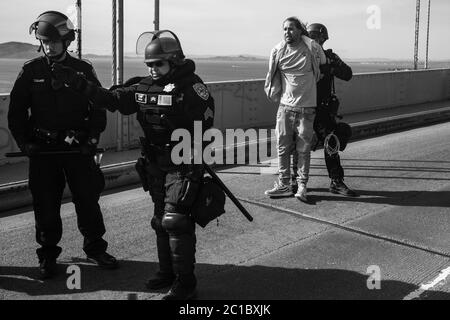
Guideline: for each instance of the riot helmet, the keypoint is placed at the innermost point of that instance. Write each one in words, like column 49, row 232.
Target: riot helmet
column 160, row 45
column 317, row 29
column 53, row 26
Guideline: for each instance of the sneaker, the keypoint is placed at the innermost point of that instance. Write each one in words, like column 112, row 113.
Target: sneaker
column 160, row 281
column 104, row 260
column 181, row 290
column 338, row 186
column 47, row 268
column 301, row 192
column 279, row 190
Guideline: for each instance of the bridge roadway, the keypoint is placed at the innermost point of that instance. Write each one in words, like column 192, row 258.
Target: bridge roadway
column 324, row 250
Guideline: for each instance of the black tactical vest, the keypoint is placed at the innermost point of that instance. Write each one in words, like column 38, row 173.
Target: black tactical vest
column 159, row 109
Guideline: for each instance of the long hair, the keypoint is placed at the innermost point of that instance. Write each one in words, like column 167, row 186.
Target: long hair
column 298, row 24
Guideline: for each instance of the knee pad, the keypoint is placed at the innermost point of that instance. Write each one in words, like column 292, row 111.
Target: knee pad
column 156, row 224
column 178, row 223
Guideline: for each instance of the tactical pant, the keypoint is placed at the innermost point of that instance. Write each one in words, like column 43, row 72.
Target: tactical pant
column 173, row 192
column 335, row 170
column 47, row 179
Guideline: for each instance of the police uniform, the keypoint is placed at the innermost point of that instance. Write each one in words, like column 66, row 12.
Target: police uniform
column 325, row 118
column 51, row 116
column 162, row 106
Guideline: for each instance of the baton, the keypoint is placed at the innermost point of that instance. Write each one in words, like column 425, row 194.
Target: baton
column 228, row 192
column 49, row 153
column 217, row 179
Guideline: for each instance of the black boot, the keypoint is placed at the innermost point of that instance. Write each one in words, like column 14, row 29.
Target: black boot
column 47, row 268
column 338, row 186
column 160, row 281
column 165, row 276
column 104, row 260
column 184, row 288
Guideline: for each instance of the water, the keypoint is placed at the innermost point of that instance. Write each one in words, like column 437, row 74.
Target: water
column 208, row 70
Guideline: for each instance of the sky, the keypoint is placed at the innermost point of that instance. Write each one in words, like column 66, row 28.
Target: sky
column 358, row 29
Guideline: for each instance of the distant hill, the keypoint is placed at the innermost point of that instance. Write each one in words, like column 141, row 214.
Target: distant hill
column 233, row 58
column 18, row 50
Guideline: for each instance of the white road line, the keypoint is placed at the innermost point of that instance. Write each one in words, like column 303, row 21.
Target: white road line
column 20, row 278
column 442, row 276
column 430, row 285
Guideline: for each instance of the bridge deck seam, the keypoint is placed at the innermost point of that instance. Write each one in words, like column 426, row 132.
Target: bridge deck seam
column 344, row 227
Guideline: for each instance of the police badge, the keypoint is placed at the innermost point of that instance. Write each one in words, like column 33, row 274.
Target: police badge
column 201, row 90
column 169, row 87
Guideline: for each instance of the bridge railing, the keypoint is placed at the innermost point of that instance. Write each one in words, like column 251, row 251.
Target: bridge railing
column 243, row 104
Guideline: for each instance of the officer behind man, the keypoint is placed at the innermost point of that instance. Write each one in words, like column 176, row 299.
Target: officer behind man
column 327, row 119
column 171, row 97
column 44, row 115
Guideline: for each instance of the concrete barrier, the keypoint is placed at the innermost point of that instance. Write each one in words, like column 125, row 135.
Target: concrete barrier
column 243, row 104
column 16, row 194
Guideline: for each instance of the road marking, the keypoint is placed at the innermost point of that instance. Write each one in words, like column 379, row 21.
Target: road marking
column 441, row 277
column 428, row 286
column 20, row 277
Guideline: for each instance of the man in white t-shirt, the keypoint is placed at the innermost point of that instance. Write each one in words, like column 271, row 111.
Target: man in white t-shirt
column 291, row 82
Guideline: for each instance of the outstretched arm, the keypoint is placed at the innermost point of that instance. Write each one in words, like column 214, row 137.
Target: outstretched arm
column 121, row 99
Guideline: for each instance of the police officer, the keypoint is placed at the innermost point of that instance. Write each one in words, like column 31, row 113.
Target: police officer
column 171, row 97
column 45, row 115
column 327, row 119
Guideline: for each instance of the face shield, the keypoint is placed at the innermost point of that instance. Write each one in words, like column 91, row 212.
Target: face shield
column 54, row 26
column 159, row 45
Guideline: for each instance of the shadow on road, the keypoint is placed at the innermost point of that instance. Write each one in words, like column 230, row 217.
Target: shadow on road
column 131, row 276
column 215, row 282
column 397, row 198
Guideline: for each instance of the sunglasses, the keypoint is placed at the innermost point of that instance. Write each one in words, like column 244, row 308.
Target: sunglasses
column 157, row 64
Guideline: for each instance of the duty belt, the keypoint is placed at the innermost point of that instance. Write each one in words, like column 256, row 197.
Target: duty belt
column 54, row 137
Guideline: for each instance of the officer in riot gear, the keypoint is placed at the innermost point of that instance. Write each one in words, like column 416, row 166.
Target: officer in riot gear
column 327, row 121
column 44, row 115
column 171, row 97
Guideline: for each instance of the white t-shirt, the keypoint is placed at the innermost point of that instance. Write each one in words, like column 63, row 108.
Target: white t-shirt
column 297, row 77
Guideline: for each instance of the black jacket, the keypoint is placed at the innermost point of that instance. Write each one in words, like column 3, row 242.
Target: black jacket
column 334, row 68
column 37, row 101
column 197, row 103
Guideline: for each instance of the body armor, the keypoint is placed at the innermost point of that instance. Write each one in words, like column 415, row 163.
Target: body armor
column 159, row 109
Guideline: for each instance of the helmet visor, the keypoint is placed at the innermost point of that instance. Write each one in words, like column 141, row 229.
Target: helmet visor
column 45, row 31
column 142, row 42
column 166, row 46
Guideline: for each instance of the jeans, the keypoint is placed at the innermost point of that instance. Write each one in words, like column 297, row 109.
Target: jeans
column 294, row 127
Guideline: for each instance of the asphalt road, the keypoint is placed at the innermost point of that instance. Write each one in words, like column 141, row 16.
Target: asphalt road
column 392, row 242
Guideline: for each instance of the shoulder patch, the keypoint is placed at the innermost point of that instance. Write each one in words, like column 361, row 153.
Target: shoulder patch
column 201, row 90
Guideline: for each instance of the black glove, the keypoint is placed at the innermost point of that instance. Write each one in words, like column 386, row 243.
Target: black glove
column 68, row 76
column 89, row 148
column 29, row 148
